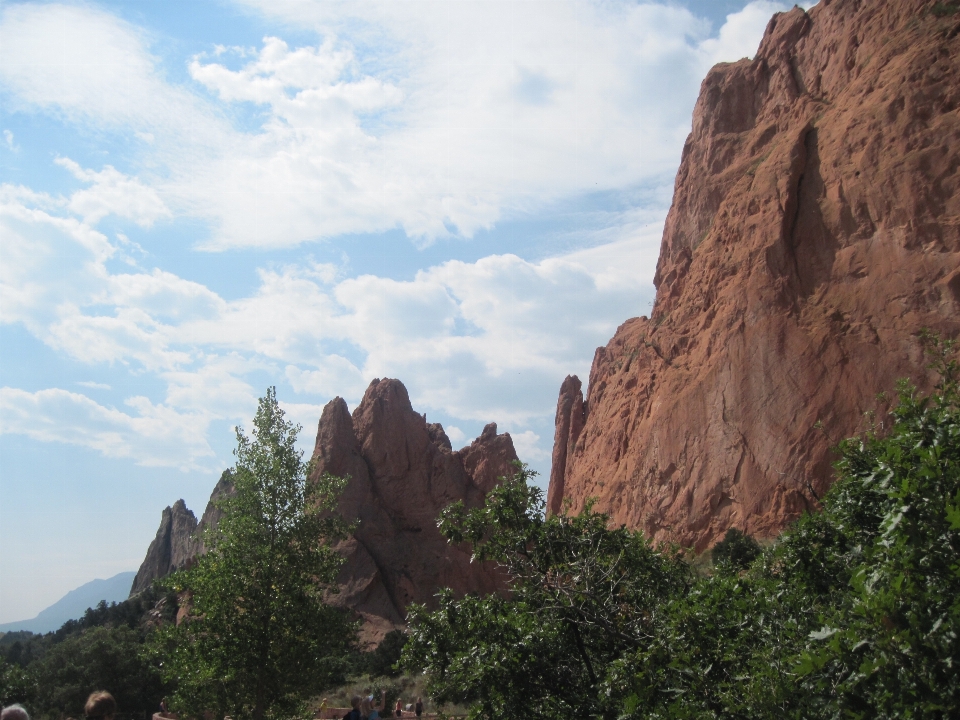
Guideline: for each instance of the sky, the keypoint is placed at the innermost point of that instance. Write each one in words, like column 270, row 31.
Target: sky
column 199, row 200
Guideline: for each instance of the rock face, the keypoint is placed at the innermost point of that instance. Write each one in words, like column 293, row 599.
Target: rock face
column 403, row 472
column 171, row 549
column 179, row 538
column 815, row 228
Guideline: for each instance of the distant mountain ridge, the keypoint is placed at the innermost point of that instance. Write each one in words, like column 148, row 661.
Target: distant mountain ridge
column 72, row 605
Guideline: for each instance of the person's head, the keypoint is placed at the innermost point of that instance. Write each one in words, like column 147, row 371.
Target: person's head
column 366, row 706
column 100, row 704
column 355, row 702
column 14, row 712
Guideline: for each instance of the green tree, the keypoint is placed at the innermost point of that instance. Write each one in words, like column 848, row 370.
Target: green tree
column 890, row 646
column 736, row 551
column 258, row 633
column 383, row 660
column 581, row 596
column 16, row 684
column 99, row 657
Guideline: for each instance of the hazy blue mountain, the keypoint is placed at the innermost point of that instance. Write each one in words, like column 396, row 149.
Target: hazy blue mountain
column 72, row 605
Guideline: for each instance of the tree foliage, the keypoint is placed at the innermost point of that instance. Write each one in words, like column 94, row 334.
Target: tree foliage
column 853, row 613
column 258, row 632
column 736, row 551
column 53, row 673
column 99, row 657
column 580, row 594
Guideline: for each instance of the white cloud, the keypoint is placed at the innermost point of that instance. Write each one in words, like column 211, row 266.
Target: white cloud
column 113, row 193
column 8, row 141
column 89, row 66
column 457, row 437
column 527, row 444
column 740, row 34
column 437, row 122
column 154, row 435
column 336, row 376
column 487, row 340
column 472, row 113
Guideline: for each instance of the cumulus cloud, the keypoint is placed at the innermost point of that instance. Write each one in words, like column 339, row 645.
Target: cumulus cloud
column 441, row 123
column 114, row 193
column 740, row 34
column 487, row 340
column 459, row 119
column 153, row 435
column 528, row 446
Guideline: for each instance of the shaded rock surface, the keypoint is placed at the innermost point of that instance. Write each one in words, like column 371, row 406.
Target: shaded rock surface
column 179, row 538
column 403, row 472
column 815, row 228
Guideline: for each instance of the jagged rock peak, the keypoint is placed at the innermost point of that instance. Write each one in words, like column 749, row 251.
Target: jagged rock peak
column 179, row 538
column 171, row 549
column 403, row 472
column 571, row 414
column 813, row 231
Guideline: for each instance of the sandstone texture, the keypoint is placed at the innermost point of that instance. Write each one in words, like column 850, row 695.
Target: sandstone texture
column 815, row 229
column 179, row 538
column 403, row 472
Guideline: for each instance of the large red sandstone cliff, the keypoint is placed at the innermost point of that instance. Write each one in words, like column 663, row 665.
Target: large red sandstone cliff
column 815, row 228
column 403, row 472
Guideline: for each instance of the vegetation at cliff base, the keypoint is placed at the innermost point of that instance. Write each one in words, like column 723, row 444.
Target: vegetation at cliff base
column 853, row 613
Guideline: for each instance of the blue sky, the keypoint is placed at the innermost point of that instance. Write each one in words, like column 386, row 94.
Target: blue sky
column 202, row 199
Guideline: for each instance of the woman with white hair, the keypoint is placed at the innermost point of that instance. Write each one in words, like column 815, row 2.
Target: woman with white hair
column 14, row 712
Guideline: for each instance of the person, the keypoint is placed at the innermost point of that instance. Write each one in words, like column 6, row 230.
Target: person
column 322, row 710
column 419, row 707
column 398, row 710
column 14, row 712
column 374, row 711
column 354, row 713
column 100, row 705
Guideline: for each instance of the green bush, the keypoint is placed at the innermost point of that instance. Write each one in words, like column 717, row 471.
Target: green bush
column 737, row 550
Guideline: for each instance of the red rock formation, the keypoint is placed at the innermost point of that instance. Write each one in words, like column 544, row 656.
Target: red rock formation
column 815, row 228
column 179, row 538
column 172, row 548
column 571, row 414
column 403, row 472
